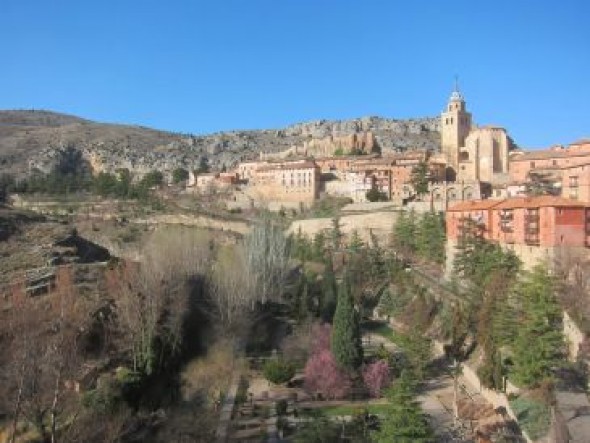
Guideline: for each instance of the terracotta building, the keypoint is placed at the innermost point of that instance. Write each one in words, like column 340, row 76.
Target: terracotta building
column 558, row 157
column 535, row 228
column 575, row 182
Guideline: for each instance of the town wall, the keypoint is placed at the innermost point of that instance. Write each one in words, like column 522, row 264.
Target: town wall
column 379, row 223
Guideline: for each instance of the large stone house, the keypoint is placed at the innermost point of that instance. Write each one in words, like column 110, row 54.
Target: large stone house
column 292, row 182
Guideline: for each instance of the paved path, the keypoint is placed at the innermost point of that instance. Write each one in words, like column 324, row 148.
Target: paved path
column 436, row 399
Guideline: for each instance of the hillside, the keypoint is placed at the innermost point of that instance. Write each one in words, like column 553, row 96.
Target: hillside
column 32, row 138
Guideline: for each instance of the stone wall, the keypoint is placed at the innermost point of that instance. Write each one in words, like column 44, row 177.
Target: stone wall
column 574, row 336
column 380, row 223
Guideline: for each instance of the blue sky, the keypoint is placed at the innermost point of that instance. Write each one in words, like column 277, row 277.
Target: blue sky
column 204, row 66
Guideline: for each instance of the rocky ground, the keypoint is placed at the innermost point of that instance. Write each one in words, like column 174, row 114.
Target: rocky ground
column 30, row 241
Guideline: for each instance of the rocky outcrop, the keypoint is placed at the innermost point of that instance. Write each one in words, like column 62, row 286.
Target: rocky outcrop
column 36, row 139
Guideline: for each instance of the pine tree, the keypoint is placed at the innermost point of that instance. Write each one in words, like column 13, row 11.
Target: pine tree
column 430, row 237
column 404, row 233
column 420, row 178
column 404, row 422
column 538, row 349
column 346, row 333
column 319, row 246
column 356, row 243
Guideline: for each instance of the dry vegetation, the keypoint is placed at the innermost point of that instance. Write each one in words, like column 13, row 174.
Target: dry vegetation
column 150, row 347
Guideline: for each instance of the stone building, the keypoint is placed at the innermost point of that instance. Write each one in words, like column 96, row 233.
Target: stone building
column 292, row 182
column 353, row 185
column 473, row 154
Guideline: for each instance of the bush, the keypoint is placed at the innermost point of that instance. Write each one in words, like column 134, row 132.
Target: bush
column 533, row 416
column 374, row 195
column 281, row 407
column 106, row 398
column 279, row 371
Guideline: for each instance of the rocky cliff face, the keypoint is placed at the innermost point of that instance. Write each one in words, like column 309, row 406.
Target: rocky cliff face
column 37, row 139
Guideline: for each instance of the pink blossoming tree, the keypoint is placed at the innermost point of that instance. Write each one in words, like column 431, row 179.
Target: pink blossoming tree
column 376, row 377
column 323, row 376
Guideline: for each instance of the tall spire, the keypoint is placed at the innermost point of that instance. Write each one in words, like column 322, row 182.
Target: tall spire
column 456, row 94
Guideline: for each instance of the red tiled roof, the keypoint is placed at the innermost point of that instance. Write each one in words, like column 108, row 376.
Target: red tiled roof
column 540, row 201
column 474, row 205
column 586, row 163
column 346, row 157
column 286, row 166
column 548, row 154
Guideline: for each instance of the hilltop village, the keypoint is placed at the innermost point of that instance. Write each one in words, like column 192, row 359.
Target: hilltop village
column 340, row 282
column 534, row 202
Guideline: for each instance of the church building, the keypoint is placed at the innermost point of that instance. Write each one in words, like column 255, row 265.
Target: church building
column 472, row 153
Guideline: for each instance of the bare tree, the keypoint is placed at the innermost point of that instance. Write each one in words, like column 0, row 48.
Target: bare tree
column 44, row 337
column 231, row 292
column 152, row 297
column 267, row 258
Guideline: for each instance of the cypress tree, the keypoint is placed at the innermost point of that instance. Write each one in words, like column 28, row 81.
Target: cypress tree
column 329, row 291
column 346, row 333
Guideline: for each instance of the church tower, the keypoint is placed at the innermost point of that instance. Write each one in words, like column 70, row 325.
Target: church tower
column 455, row 124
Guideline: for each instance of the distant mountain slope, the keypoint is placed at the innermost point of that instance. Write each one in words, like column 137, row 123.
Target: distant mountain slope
column 33, row 138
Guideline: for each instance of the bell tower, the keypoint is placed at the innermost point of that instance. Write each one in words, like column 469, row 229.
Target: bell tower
column 455, row 124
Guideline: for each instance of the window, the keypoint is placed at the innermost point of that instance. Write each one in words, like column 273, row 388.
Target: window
column 506, row 217
column 531, row 227
column 532, row 164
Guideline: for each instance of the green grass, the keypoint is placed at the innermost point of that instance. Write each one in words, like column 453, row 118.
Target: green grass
column 382, row 329
column 337, row 411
